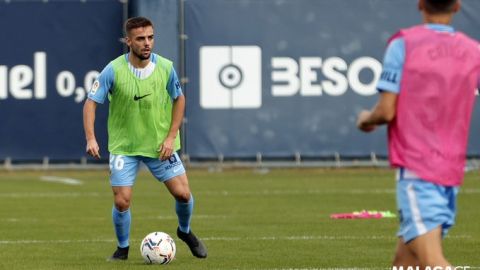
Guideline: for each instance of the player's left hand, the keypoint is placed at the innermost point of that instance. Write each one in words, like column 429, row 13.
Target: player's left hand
column 362, row 121
column 166, row 149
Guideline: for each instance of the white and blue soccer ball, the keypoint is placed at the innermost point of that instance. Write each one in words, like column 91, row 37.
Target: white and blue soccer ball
column 158, row 248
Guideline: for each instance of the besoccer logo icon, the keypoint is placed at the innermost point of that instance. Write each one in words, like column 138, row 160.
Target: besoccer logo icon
column 230, row 77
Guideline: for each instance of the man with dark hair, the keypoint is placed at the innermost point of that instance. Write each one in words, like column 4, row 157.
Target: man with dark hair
column 136, row 22
column 145, row 113
column 440, row 6
column 427, row 92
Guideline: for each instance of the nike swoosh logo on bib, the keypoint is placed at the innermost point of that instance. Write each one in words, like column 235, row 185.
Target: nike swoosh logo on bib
column 140, row 97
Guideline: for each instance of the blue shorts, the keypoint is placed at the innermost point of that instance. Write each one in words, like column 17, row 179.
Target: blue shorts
column 423, row 206
column 123, row 169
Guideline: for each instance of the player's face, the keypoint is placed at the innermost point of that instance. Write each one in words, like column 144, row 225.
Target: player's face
column 140, row 40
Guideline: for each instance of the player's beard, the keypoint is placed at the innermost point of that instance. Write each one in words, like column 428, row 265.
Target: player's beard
column 140, row 55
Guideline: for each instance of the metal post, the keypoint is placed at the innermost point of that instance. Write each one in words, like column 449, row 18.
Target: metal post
column 298, row 158
column 183, row 74
column 338, row 161
column 45, row 163
column 374, row 158
column 8, row 163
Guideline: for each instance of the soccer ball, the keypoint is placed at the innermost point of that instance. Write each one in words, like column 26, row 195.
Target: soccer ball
column 158, row 248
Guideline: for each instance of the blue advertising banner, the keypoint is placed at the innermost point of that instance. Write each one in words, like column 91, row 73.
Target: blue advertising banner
column 274, row 77
column 52, row 52
column 284, row 78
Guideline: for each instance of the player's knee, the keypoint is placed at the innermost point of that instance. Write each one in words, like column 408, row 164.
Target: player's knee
column 397, row 260
column 403, row 259
column 400, row 258
column 122, row 204
column 183, row 197
column 432, row 257
column 433, row 260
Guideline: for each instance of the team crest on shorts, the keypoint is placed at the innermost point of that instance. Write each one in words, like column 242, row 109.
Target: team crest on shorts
column 172, row 159
column 174, row 163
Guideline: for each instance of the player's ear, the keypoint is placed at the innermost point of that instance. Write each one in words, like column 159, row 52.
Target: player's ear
column 457, row 6
column 421, row 5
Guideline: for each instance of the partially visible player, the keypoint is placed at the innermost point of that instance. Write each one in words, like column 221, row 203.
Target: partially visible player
column 145, row 113
column 427, row 92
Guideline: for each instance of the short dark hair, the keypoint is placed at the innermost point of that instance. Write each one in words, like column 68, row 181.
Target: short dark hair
column 439, row 6
column 136, row 22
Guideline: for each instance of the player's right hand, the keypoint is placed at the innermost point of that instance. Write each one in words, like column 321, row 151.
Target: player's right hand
column 362, row 121
column 93, row 149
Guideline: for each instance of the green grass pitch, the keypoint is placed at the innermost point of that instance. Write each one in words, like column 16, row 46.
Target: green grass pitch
column 248, row 219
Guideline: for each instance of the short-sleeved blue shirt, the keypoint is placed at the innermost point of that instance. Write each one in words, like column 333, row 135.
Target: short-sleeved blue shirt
column 105, row 80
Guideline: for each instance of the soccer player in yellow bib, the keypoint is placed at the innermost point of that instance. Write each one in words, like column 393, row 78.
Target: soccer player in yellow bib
column 145, row 113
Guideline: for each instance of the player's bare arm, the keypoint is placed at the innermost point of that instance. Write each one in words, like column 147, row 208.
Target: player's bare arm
column 382, row 113
column 167, row 148
column 89, row 126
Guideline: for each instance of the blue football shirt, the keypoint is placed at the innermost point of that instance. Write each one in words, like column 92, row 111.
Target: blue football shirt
column 105, row 80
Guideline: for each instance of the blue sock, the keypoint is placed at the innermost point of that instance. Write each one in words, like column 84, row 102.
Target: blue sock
column 121, row 222
column 184, row 213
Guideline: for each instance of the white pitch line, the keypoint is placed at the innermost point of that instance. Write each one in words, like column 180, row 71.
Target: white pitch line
column 23, row 220
column 349, row 268
column 13, row 242
column 315, row 192
column 61, row 180
column 313, row 237
column 224, row 193
column 337, row 268
column 48, row 194
column 298, row 192
column 264, row 238
column 172, row 217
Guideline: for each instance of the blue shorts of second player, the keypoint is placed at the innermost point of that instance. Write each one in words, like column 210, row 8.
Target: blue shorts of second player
column 124, row 169
column 423, row 206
